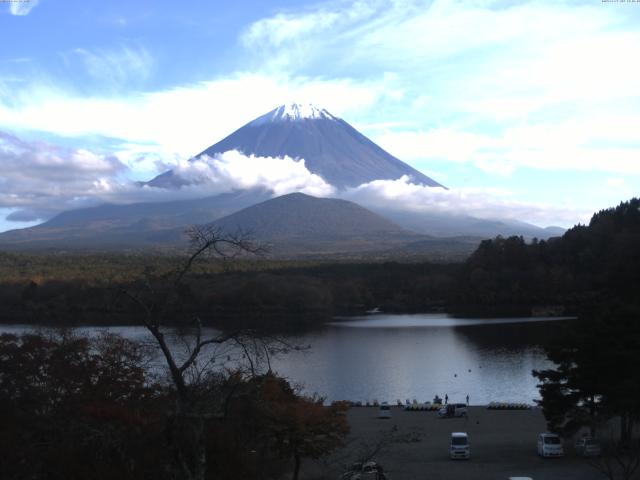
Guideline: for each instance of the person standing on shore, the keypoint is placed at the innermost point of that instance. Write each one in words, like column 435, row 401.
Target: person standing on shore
column 467, row 399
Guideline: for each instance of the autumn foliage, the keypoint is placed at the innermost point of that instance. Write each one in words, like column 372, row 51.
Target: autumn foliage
column 73, row 407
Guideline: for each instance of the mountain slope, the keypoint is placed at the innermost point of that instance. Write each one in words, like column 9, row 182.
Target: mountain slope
column 331, row 148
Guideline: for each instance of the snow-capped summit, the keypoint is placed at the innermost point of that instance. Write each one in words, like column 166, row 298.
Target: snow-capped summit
column 329, row 146
column 294, row 111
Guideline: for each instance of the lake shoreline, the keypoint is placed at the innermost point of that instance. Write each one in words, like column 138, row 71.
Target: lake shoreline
column 283, row 323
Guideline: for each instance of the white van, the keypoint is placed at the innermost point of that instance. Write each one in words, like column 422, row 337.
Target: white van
column 550, row 445
column 384, row 411
column 453, row 410
column 459, row 446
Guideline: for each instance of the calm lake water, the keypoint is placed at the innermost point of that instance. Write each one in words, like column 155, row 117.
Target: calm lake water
column 388, row 357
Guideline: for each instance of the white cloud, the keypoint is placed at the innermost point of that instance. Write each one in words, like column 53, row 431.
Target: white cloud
column 437, row 144
column 481, row 203
column 122, row 66
column 22, row 7
column 620, row 186
column 233, row 170
column 536, row 85
column 289, row 41
column 604, row 143
column 615, row 182
column 183, row 120
column 283, row 28
column 504, row 86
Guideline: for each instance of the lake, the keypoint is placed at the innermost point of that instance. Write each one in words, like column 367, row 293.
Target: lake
column 388, row 357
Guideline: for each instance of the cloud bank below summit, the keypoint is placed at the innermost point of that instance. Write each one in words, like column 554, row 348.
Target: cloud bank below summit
column 79, row 178
column 232, row 170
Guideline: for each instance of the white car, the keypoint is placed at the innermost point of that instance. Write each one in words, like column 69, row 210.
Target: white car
column 459, row 446
column 384, row 411
column 550, row 445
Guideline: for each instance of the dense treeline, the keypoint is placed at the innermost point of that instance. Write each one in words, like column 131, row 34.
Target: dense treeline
column 503, row 276
column 256, row 294
column 587, row 265
column 594, row 381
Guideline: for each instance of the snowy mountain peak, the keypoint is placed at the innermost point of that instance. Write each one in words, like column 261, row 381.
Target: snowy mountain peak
column 293, row 112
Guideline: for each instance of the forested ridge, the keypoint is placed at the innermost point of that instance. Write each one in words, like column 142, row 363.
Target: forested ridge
column 587, row 265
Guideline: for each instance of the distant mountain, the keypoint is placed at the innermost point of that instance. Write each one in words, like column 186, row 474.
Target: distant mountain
column 160, row 214
column 331, row 148
column 439, row 224
column 293, row 225
column 129, row 226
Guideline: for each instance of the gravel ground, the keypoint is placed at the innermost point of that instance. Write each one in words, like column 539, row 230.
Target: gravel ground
column 503, row 444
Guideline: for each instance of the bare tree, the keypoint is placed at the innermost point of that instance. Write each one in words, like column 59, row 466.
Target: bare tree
column 188, row 373
column 619, row 460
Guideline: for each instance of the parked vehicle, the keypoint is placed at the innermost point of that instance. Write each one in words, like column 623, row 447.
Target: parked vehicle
column 459, row 446
column 384, row 411
column 550, row 445
column 453, row 410
column 587, row 447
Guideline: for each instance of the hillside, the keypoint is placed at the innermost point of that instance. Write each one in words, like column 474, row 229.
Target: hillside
column 300, row 215
column 302, row 225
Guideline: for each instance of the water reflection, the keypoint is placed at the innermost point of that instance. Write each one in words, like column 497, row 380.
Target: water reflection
column 389, row 357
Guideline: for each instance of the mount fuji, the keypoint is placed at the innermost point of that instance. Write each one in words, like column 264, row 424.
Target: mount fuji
column 297, row 224
column 330, row 147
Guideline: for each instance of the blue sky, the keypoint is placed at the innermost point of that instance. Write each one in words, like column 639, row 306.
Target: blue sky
column 525, row 109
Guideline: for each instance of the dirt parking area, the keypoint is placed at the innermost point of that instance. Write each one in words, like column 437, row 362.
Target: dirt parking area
column 415, row 445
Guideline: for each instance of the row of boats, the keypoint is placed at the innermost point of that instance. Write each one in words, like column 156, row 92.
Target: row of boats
column 508, row 406
column 415, row 406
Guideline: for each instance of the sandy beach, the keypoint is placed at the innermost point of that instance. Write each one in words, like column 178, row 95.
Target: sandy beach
column 414, row 445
